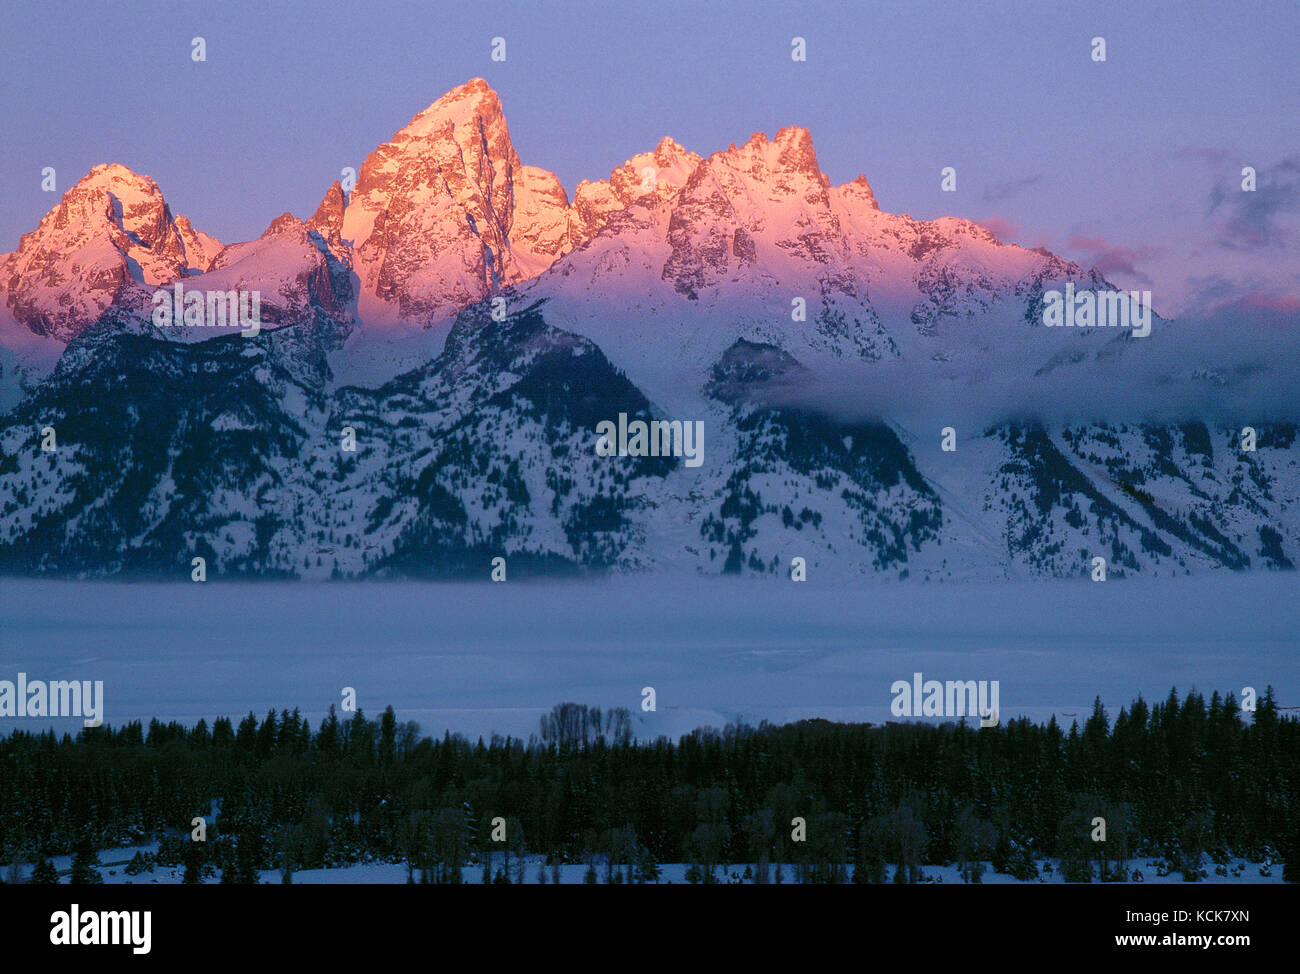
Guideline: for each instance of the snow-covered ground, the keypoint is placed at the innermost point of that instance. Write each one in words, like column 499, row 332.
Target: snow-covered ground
column 482, row 658
column 113, row 860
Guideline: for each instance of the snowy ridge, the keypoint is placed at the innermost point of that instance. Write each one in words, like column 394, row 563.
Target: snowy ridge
column 799, row 322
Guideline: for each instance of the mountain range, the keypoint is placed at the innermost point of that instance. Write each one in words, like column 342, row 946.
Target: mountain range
column 467, row 326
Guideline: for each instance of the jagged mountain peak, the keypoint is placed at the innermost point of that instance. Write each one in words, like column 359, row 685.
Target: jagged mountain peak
column 669, row 149
column 795, row 152
column 474, row 97
column 740, row 292
column 283, row 223
column 788, row 162
column 117, row 178
column 201, row 248
column 467, row 121
column 111, row 232
column 127, row 206
column 445, row 214
column 328, row 218
column 648, row 181
column 859, row 192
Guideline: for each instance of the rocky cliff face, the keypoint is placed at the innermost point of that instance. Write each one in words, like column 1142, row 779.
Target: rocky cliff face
column 797, row 321
column 111, row 232
column 445, row 213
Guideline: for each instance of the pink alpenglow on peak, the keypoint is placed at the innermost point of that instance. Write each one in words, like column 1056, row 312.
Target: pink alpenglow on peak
column 111, row 233
column 445, row 215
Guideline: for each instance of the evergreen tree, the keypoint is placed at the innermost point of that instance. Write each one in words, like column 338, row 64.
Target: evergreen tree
column 223, row 734
column 193, row 858
column 241, row 866
column 246, row 737
column 327, row 738
column 1183, row 778
column 1288, row 848
column 1074, row 843
column 267, row 735
column 647, row 867
column 869, row 863
column 83, row 865
column 387, row 737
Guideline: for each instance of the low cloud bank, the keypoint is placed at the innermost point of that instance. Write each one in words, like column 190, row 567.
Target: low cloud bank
column 1237, row 365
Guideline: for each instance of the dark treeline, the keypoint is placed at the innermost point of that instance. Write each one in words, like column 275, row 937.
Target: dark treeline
column 1187, row 782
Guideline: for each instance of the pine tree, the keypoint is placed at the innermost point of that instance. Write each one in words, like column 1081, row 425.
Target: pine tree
column 387, row 736
column 223, row 732
column 1074, row 843
column 869, row 865
column 1002, row 852
column 246, row 737
column 267, row 735
column 648, row 870
column 327, row 738
column 193, row 858
column 83, row 865
column 1289, row 849
column 43, row 873
column 242, row 866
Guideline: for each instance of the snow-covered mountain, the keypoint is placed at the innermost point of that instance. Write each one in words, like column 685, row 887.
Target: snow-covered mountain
column 112, row 232
column 469, row 327
column 445, row 214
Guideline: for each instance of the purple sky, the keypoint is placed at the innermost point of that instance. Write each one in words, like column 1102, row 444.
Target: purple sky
column 1132, row 165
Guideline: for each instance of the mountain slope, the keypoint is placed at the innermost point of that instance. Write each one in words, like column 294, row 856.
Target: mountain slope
column 469, row 328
